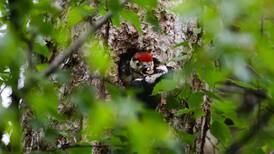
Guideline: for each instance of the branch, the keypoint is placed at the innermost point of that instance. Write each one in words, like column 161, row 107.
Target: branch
column 75, row 45
column 205, row 124
column 252, row 131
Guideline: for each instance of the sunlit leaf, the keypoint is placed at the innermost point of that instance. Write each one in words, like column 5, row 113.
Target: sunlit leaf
column 62, row 36
column 9, row 49
column 77, row 14
column 101, row 118
column 146, row 4
column 41, row 67
column 43, row 101
column 98, row 57
column 41, row 49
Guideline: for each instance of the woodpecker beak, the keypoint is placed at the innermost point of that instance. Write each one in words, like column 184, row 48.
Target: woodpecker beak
column 148, row 69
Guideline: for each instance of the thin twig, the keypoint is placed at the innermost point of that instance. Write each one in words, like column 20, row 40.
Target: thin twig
column 75, row 45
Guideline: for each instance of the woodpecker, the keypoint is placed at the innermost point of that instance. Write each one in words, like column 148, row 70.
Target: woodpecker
column 142, row 71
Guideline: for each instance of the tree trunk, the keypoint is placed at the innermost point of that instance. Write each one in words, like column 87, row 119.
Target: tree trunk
column 172, row 31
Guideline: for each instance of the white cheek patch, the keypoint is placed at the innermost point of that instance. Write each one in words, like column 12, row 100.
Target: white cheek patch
column 132, row 64
column 152, row 78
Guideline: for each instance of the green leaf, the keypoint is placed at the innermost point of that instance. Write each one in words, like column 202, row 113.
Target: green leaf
column 83, row 98
column 186, row 137
column 98, row 57
column 243, row 84
column 82, row 149
column 147, row 4
column 114, row 6
column 211, row 75
column 41, row 67
column 224, row 106
column 183, row 111
column 116, row 20
column 8, row 49
column 43, row 100
column 133, row 18
column 77, row 14
column 99, row 120
column 164, row 86
column 41, row 49
column 221, row 132
column 38, row 24
column 62, row 36
column 153, row 20
column 185, row 92
column 195, row 100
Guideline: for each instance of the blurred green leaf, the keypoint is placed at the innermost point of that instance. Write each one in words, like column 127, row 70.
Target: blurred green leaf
column 41, row 49
column 101, row 118
column 186, row 137
column 114, row 6
column 188, row 8
column 152, row 19
column 183, row 111
column 146, row 4
column 43, row 101
column 195, row 100
column 98, row 57
column 164, row 86
column 243, row 84
column 83, row 98
column 146, row 134
column 116, row 20
column 9, row 50
column 133, row 18
column 61, row 35
column 224, row 106
column 83, row 149
column 38, row 24
column 221, row 132
column 41, row 67
column 77, row 14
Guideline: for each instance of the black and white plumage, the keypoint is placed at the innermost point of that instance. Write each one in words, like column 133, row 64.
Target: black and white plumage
column 142, row 71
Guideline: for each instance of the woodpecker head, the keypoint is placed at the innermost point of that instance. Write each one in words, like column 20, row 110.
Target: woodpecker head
column 142, row 62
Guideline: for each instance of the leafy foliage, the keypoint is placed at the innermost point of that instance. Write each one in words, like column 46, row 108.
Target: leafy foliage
column 233, row 59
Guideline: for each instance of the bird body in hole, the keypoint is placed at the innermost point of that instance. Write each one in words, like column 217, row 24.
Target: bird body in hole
column 142, row 71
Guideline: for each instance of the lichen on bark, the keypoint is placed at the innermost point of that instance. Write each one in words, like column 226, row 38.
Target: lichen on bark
column 162, row 43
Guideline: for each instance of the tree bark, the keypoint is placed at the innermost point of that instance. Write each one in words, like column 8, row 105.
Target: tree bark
column 161, row 43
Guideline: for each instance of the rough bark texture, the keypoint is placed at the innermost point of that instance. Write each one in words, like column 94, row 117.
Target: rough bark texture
column 119, row 40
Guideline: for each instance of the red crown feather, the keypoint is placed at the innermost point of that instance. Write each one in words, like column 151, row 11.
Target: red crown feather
column 144, row 56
